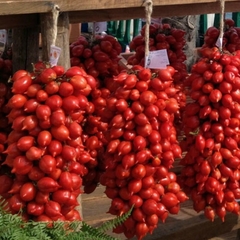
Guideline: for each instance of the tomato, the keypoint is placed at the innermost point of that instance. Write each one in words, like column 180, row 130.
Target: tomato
column 47, row 75
column 28, row 192
column 52, row 209
column 35, row 209
column 77, row 50
column 5, row 183
column 16, row 203
column 47, row 164
column 47, row 184
column 61, row 196
column 21, row 84
column 100, row 56
column 65, row 181
column 25, row 143
column 44, row 138
column 21, row 165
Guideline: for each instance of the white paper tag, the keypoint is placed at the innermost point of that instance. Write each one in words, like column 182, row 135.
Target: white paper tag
column 157, row 59
column 54, row 55
column 219, row 42
column 100, row 27
column 3, row 40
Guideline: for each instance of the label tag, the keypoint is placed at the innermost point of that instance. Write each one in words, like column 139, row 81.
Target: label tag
column 157, row 59
column 100, row 27
column 54, row 55
column 219, row 42
column 3, row 40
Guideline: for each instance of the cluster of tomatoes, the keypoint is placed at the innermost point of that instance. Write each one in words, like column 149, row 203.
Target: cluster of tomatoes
column 5, row 127
column 6, row 65
column 5, row 93
column 46, row 153
column 98, row 57
column 211, row 124
column 162, row 36
column 69, row 129
column 231, row 37
column 97, row 124
column 139, row 147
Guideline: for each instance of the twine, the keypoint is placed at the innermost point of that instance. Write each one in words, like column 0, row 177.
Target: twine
column 148, row 11
column 55, row 14
column 222, row 12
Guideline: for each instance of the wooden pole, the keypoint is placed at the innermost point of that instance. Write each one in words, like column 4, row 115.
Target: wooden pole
column 25, row 48
column 62, row 39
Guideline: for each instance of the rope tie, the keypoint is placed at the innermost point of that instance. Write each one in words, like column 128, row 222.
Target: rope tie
column 222, row 12
column 55, row 14
column 148, row 11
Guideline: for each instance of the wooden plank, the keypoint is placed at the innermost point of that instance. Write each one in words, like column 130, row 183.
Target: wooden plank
column 63, row 40
column 29, row 20
column 18, row 21
column 138, row 12
column 227, row 236
column 41, row 6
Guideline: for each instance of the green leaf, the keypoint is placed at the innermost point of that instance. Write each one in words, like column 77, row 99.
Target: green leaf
column 17, row 229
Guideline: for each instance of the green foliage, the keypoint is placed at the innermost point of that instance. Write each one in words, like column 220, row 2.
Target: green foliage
column 12, row 227
column 115, row 222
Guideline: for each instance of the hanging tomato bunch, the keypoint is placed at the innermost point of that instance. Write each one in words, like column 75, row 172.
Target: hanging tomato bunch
column 98, row 57
column 140, row 148
column 162, row 36
column 231, row 37
column 5, row 127
column 211, row 166
column 45, row 149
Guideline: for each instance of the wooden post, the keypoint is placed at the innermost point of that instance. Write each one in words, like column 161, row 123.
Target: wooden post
column 25, row 48
column 62, row 40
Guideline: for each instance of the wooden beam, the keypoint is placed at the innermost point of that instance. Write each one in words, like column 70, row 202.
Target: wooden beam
column 138, row 12
column 18, row 21
column 30, row 20
column 42, row 6
column 62, row 40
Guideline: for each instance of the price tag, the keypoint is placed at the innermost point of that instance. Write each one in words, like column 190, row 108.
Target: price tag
column 157, row 59
column 100, row 27
column 3, row 40
column 54, row 55
column 219, row 42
